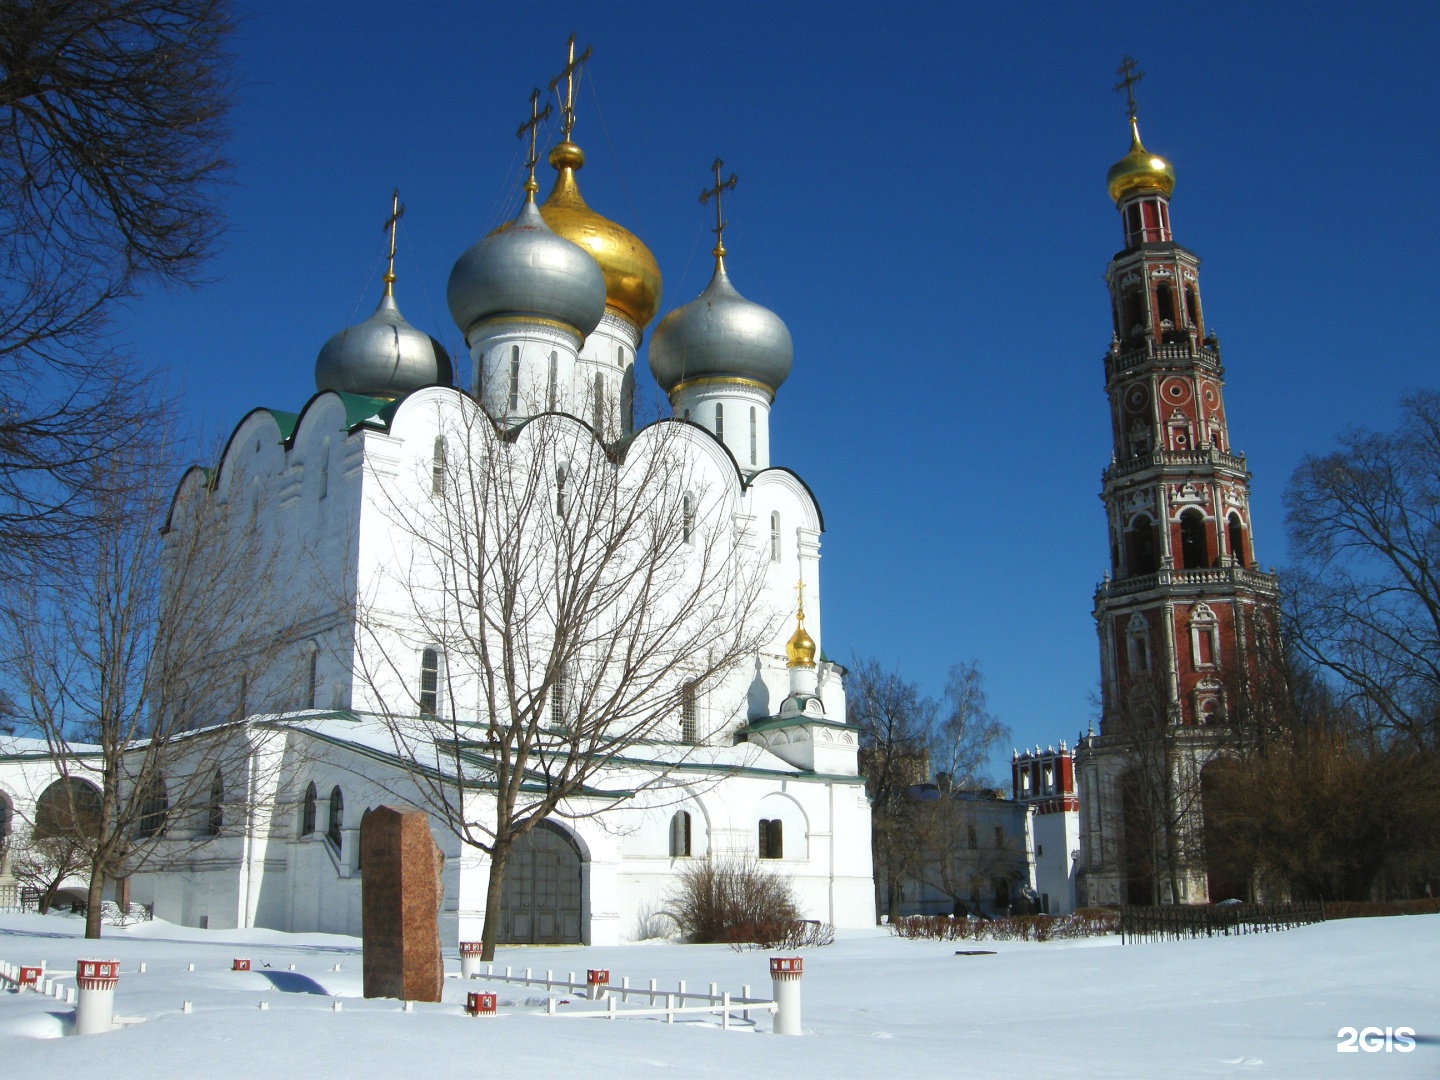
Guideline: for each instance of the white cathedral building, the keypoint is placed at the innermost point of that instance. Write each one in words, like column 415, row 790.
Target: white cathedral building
column 755, row 761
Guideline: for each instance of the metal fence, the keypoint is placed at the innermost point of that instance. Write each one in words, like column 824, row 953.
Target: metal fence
column 1176, row 921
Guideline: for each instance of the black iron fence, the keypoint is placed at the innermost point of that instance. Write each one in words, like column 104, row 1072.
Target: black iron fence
column 1177, row 921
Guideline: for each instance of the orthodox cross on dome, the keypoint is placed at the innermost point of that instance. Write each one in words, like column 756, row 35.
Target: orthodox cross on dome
column 391, row 224
column 568, row 73
column 532, row 126
column 800, row 601
column 1128, row 81
column 717, row 191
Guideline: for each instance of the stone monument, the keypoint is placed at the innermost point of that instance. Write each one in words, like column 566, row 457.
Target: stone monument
column 400, row 894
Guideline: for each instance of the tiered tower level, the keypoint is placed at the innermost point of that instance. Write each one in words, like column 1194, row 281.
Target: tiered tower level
column 1184, row 616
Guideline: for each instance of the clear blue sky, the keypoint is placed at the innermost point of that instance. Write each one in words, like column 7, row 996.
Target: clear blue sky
column 922, row 199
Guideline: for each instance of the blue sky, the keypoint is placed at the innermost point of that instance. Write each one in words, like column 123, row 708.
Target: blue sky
column 922, row 200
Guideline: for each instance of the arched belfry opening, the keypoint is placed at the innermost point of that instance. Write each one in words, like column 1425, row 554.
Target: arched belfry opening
column 1141, row 551
column 1194, row 548
column 543, row 898
column 1237, row 541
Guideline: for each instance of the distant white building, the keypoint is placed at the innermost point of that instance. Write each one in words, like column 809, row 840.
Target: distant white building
column 1044, row 780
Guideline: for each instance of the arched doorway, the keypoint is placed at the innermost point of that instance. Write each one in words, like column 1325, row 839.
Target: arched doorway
column 544, row 891
column 1139, row 848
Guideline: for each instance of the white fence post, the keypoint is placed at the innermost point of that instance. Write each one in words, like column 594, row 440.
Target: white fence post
column 785, row 973
column 95, row 1010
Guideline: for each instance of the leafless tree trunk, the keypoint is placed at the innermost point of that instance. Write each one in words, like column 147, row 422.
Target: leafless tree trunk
column 564, row 604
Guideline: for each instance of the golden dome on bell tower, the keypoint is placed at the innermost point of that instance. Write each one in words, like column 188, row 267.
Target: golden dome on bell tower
column 800, row 649
column 1139, row 170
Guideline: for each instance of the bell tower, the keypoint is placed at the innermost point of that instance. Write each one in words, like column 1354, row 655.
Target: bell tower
column 1184, row 616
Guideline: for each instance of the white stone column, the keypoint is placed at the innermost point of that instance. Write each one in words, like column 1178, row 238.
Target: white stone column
column 785, row 973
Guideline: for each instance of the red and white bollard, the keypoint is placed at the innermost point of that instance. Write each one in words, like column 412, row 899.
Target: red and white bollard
column 30, row 976
column 480, row 1004
column 595, row 982
column 239, row 965
column 469, row 959
column 95, row 1010
column 785, row 972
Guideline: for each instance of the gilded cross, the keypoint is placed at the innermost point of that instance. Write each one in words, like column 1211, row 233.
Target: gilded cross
column 568, row 72
column 1127, row 83
column 717, row 191
column 532, row 126
column 391, row 224
column 800, row 599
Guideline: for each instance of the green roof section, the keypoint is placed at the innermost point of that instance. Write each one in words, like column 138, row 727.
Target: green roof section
column 285, row 421
column 775, row 723
column 370, row 411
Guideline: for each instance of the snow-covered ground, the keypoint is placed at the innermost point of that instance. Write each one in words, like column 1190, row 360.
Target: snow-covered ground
column 874, row 1007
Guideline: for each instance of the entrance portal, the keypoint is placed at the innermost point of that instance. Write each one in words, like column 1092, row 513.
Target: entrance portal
column 542, row 896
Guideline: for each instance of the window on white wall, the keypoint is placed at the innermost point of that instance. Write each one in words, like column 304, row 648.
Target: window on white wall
column 324, row 468
column 720, row 421
column 687, row 518
column 562, row 474
column 515, row 378
column 771, row 838
column 307, row 810
column 215, row 812
column 437, row 466
column 1137, row 644
column 680, row 835
column 689, row 715
column 753, row 437
column 429, row 697
column 552, row 388
column 775, row 536
column 337, row 818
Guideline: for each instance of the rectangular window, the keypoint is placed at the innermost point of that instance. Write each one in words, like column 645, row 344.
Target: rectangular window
column 688, row 726
column 772, row 838
column 429, row 699
column 752, row 434
column 515, row 379
column 719, row 421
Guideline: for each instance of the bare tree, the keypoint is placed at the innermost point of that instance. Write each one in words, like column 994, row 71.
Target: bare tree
column 118, row 654
column 111, row 117
column 42, row 864
column 1364, row 522
column 565, row 604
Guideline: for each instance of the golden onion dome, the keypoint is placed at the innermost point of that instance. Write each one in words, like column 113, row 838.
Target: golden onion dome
column 1139, row 170
column 632, row 277
column 800, row 649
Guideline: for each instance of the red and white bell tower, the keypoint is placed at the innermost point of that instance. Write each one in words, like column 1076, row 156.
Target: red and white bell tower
column 1184, row 617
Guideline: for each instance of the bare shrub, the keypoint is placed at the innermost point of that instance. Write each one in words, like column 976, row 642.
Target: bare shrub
column 732, row 900
column 1010, row 928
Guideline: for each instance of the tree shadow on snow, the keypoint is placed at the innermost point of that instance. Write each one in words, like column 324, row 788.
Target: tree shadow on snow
column 292, row 982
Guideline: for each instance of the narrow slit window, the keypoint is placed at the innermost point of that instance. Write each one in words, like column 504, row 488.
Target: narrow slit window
column 562, row 474
column 598, row 406
column 558, row 694
column 307, row 811
column 429, row 682
column 554, row 375
column 337, row 817
column 687, row 519
column 775, row 536
column 753, row 427
column 437, row 467
column 680, row 835
column 325, row 468
column 514, row 378
column 720, row 421
column 689, row 728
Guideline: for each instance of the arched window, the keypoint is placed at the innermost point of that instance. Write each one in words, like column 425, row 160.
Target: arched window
column 1137, row 644
column 552, row 387
column 1194, row 551
column 689, row 728
column 337, row 817
column 753, row 437
column 687, row 518
column 562, row 473
column 68, row 807
column 515, row 378
column 1002, row 896
column 324, row 468
column 215, row 812
column 154, row 807
column 1165, row 304
column 1140, row 554
column 772, row 838
column 680, row 835
column 437, row 466
column 307, row 811
column 720, row 421
column 627, row 398
column 1237, row 541
column 360, row 843
column 429, row 699
column 1204, row 636
column 775, row 536
column 1192, row 306
column 597, row 406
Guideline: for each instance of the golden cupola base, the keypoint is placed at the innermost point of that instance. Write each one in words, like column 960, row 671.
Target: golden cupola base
column 1139, row 170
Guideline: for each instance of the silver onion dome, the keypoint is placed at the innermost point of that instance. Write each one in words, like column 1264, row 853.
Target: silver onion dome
column 720, row 334
column 384, row 356
column 526, row 270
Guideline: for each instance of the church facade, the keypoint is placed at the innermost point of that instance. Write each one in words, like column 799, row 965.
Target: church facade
column 1186, row 620
column 408, row 520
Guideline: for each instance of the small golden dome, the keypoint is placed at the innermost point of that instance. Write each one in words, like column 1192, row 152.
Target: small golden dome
column 800, row 649
column 632, row 277
column 1139, row 170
